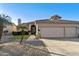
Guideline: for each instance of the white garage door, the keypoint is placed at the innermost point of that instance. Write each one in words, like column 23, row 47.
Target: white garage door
column 70, row 32
column 52, row 32
column 58, row 32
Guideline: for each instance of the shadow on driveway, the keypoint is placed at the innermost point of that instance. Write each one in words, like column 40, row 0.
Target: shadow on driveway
column 35, row 42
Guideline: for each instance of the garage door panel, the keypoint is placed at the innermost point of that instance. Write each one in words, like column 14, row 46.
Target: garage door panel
column 70, row 32
column 52, row 32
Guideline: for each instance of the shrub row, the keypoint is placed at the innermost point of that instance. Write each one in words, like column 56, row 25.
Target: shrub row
column 20, row 33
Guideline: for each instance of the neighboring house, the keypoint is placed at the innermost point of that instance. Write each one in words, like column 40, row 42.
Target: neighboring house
column 10, row 28
column 14, row 27
column 54, row 27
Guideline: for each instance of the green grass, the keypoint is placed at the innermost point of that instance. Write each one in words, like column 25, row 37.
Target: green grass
column 18, row 37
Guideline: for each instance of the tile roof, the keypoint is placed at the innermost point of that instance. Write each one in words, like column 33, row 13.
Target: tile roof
column 58, row 21
column 52, row 21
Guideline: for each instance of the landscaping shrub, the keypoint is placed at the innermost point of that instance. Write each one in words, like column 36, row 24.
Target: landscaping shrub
column 20, row 33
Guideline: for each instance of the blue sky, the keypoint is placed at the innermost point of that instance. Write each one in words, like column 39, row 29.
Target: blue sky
column 35, row 11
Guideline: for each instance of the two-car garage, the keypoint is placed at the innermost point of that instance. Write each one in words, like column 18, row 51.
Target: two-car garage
column 56, row 27
column 49, row 32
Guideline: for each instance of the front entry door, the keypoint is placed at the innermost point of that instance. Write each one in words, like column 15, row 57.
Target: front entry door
column 33, row 29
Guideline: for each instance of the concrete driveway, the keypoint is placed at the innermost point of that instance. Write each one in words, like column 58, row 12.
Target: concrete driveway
column 63, row 47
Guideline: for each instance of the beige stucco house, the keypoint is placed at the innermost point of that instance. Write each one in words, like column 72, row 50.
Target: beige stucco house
column 10, row 28
column 54, row 27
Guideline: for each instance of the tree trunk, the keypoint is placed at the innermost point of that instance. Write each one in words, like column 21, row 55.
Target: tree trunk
column 22, row 36
column 1, row 31
column 21, row 39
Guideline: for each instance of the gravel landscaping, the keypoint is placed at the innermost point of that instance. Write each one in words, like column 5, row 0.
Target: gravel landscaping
column 30, row 47
column 16, row 49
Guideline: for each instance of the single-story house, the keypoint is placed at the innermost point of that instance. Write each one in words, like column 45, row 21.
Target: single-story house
column 54, row 27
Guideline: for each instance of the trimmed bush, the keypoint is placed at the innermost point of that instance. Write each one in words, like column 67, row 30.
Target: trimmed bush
column 20, row 33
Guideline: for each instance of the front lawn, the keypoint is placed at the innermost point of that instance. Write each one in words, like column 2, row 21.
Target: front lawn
column 18, row 37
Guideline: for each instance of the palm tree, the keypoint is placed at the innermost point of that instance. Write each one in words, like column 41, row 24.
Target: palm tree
column 22, row 27
column 4, row 19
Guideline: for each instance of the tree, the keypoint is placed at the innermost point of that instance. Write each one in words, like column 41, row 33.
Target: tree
column 4, row 19
column 22, row 27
